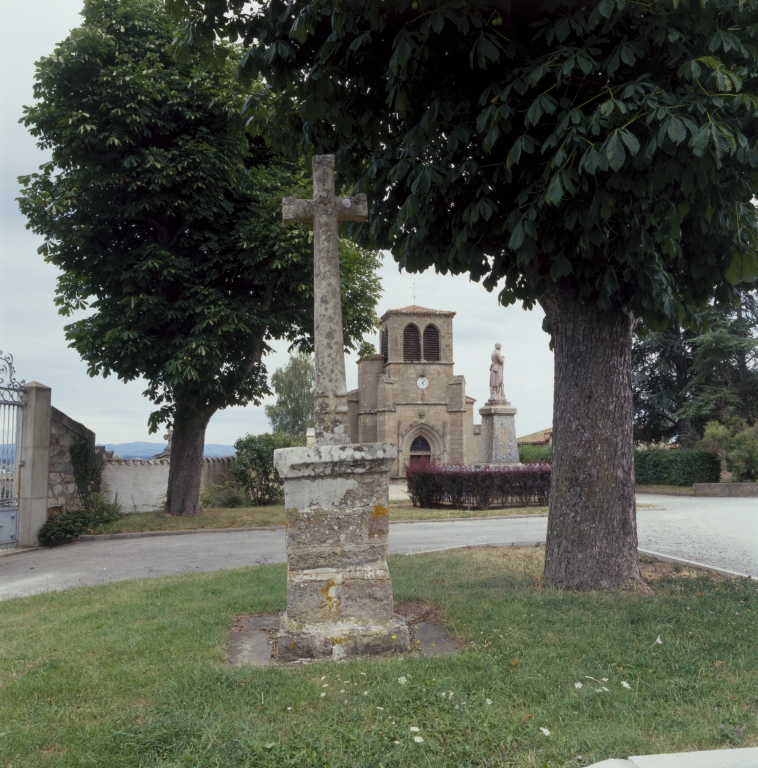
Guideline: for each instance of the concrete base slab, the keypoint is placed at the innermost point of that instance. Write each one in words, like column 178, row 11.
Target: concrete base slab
column 716, row 758
column 433, row 640
column 256, row 641
column 252, row 640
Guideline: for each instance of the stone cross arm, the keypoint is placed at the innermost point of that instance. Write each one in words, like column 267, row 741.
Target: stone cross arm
column 348, row 209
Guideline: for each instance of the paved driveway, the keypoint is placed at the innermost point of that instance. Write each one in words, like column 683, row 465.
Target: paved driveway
column 717, row 532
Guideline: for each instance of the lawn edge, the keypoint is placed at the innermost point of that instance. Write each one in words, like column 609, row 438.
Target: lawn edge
column 180, row 531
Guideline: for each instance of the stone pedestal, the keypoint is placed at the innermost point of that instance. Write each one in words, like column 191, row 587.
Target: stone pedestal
column 339, row 595
column 497, row 444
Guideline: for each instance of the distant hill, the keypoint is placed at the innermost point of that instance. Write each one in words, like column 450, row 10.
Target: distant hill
column 148, row 450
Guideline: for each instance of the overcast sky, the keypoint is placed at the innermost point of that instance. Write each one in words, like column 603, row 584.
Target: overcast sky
column 32, row 331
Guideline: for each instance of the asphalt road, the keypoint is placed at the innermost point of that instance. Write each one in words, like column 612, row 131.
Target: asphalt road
column 717, row 532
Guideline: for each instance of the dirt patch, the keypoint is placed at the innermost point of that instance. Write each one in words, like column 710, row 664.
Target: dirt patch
column 655, row 570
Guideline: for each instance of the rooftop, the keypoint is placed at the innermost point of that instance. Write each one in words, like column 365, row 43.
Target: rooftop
column 414, row 309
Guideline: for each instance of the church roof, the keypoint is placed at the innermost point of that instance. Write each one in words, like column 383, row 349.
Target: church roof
column 414, row 309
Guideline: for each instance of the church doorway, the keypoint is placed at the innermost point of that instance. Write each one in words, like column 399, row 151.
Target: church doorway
column 421, row 451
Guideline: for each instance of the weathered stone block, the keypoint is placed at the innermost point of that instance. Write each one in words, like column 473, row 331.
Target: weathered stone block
column 339, row 594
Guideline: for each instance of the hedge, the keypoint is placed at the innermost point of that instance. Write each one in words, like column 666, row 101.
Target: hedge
column 681, row 466
column 477, row 487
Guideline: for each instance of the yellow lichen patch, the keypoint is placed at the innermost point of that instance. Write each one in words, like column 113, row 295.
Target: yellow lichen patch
column 379, row 511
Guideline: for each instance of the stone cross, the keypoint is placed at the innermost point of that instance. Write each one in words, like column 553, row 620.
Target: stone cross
column 324, row 214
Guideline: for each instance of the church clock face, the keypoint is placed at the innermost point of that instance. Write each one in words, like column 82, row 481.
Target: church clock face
column 422, row 382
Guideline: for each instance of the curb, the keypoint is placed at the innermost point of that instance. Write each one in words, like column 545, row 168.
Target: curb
column 694, row 564
column 183, row 532
column 148, row 534
column 16, row 551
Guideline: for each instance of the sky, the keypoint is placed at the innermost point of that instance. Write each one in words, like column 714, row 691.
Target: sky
column 32, row 330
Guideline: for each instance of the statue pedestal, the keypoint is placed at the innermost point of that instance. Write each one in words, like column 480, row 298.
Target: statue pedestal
column 339, row 595
column 497, row 443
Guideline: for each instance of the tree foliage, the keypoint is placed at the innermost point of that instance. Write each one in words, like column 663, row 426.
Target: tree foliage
column 608, row 148
column 292, row 413
column 164, row 217
column 684, row 379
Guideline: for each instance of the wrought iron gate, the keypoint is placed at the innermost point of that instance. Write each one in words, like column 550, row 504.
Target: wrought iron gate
column 11, row 417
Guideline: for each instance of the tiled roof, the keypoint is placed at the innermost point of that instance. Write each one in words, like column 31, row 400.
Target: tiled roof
column 414, row 309
column 536, row 438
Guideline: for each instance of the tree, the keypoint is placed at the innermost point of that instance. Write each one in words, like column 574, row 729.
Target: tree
column 661, row 376
column 165, row 219
column 598, row 158
column 294, row 385
column 684, row 379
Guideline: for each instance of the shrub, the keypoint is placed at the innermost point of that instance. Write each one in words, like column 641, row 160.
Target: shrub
column 254, row 466
column 682, row 466
column 224, row 496
column 738, row 443
column 535, row 454
column 74, row 522
column 742, row 460
column 478, row 487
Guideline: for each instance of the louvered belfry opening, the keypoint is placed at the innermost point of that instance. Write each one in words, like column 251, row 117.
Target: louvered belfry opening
column 431, row 343
column 385, row 342
column 411, row 343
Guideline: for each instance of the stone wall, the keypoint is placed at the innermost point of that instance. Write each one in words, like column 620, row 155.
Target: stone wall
column 61, row 487
column 725, row 490
column 140, row 484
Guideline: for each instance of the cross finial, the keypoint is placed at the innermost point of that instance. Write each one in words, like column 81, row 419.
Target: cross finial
column 414, row 287
column 323, row 214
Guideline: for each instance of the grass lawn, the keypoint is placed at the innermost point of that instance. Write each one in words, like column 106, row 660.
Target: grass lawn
column 133, row 674
column 246, row 517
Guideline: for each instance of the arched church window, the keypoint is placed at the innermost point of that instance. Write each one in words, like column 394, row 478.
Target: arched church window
column 411, row 343
column 420, row 445
column 431, row 343
column 385, row 343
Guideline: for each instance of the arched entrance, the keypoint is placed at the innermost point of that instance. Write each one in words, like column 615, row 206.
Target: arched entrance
column 420, row 451
column 422, row 442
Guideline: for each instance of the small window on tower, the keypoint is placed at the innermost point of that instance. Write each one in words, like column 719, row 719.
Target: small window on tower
column 431, row 343
column 411, row 343
column 385, row 342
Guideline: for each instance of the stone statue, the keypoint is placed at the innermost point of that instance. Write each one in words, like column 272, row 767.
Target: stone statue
column 496, row 374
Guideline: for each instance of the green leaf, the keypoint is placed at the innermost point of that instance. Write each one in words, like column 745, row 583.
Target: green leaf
column 560, row 267
column 631, row 141
column 614, row 151
column 555, row 190
column 676, row 130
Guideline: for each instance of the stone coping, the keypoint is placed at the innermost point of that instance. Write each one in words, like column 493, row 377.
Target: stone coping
column 211, row 459
column 714, row 758
column 726, row 490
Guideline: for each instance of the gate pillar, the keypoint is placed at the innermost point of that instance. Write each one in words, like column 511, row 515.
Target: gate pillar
column 34, row 464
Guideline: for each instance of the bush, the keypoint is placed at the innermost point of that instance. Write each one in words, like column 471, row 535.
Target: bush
column 462, row 486
column 254, row 466
column 738, row 443
column 226, row 496
column 742, row 460
column 535, row 454
column 682, row 466
column 74, row 522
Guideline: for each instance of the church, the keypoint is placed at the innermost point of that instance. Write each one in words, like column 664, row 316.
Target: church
column 409, row 395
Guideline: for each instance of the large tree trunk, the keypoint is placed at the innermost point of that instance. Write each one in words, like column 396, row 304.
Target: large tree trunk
column 592, row 526
column 183, row 495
